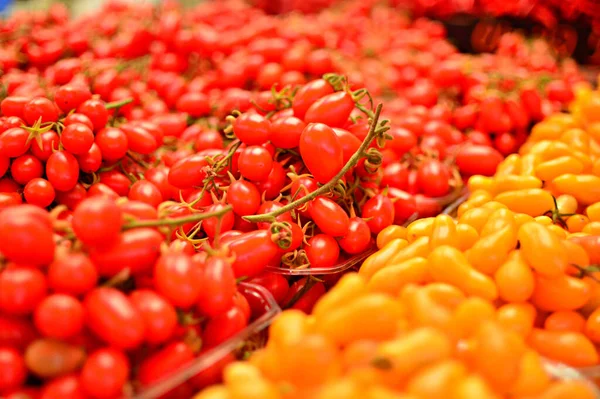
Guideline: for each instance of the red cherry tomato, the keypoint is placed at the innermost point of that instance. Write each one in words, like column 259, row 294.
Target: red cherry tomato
column 321, row 151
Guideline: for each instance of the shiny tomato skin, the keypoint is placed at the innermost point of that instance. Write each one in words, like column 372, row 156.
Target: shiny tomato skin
column 333, row 109
column 112, row 317
column 253, row 251
column 329, row 216
column 308, row 94
column 321, row 151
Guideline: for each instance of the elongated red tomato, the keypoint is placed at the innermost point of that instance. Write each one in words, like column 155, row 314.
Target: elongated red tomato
column 329, row 217
column 178, row 278
column 308, row 94
column 321, row 151
column 218, row 286
column 189, row 171
column 253, row 251
column 478, row 159
column 380, row 212
column 165, row 361
column 136, row 250
column 333, row 109
column 62, row 170
column 113, row 318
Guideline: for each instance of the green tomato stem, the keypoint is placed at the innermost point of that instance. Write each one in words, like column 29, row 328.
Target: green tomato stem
column 374, row 131
column 118, row 104
column 177, row 221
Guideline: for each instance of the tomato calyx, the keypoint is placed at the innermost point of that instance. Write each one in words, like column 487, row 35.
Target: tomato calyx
column 557, row 216
column 281, row 234
column 587, row 271
column 296, row 259
column 37, row 130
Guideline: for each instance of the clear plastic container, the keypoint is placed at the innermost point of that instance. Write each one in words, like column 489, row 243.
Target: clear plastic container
column 254, row 331
column 561, row 371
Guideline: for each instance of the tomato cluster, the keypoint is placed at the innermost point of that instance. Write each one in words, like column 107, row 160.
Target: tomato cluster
column 156, row 164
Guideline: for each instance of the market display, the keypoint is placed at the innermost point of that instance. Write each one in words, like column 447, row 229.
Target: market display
column 170, row 178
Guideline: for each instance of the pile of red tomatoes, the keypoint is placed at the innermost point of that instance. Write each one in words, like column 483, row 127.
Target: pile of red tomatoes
column 153, row 159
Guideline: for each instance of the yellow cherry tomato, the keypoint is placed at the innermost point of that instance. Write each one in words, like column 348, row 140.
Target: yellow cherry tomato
column 449, row 265
column 499, row 219
column 419, row 247
column 577, row 139
column 585, row 188
column 592, row 228
column 577, row 223
column 516, row 182
column 566, row 204
column 419, row 228
column 528, row 164
column 479, row 182
column 492, row 250
column 593, row 212
column 533, row 201
column 545, row 220
column 389, row 233
column 510, row 166
column 559, row 231
column 546, row 131
column 350, row 286
column 521, row 218
column 467, row 236
column 515, row 279
column 476, row 218
column 542, row 249
column 553, row 168
column 443, row 232
column 382, row 257
column 393, row 278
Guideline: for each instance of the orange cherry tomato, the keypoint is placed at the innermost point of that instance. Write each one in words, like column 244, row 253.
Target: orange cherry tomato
column 515, row 279
column 560, row 293
column 517, row 317
column 533, row 201
column 585, row 188
column 571, row 348
column 565, row 320
column 542, row 249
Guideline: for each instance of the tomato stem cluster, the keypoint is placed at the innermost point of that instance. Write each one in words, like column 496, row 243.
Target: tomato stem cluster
column 377, row 129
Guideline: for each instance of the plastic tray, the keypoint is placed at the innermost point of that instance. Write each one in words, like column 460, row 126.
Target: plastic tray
column 213, row 356
column 451, row 200
column 563, row 372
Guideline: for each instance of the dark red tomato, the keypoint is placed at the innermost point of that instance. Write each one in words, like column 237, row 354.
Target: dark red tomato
column 195, row 105
column 517, row 114
column 329, row 216
column 322, row 251
column 350, row 143
column 188, row 172
column 74, row 274
column 12, row 369
column 160, row 177
column 45, row 145
column 69, row 97
column 270, row 206
column 308, row 94
column 139, row 210
column 59, row 316
column 255, row 163
column 253, row 251
column 97, row 221
column 275, row 283
column 395, row 175
column 40, row 108
column 113, row 143
column 358, row 237
column 145, row 191
column 25, row 239
column 165, row 361
column 213, row 225
column 433, row 178
column 16, row 332
column 478, row 159
column 213, row 373
column 23, row 289
column 218, row 286
column 67, row 386
column 532, row 102
column 25, row 168
column 241, row 302
column 244, row 197
column 96, row 112
column 178, row 279
column 427, row 206
column 136, row 250
column 286, row 132
column 222, row 327
column 404, row 205
column 39, row 192
column 321, row 152
column 160, row 317
column 402, row 140
column 110, row 315
column 208, row 139
column 105, row 373
column 13, row 106
column 476, row 137
column 332, row 109
column 139, row 139
column 271, row 187
column 62, row 170
column 14, row 142
column 92, row 160
column 505, row 143
column 434, row 145
column 308, row 299
column 252, row 129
